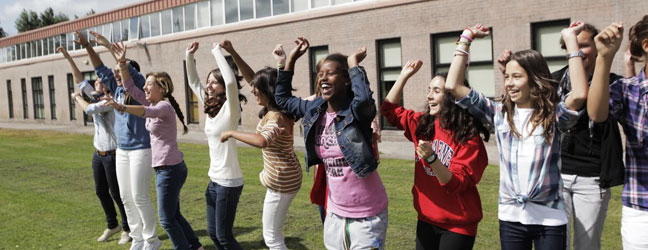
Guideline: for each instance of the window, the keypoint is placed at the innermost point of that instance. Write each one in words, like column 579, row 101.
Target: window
column 70, row 84
column 280, row 7
column 319, row 3
column 145, row 28
column 178, row 19
column 247, row 9
column 107, row 31
column 37, row 96
column 39, row 47
column 316, row 54
column 133, row 31
column 481, row 60
column 217, row 12
column 192, row 99
column 190, row 16
column 165, row 21
column 90, row 77
column 23, row 86
column 389, row 67
column 202, row 14
column 155, row 24
column 299, row 5
column 70, row 41
column 116, row 31
column 10, row 99
column 334, row 2
column 61, row 41
column 45, row 46
column 231, row 11
column 52, row 96
column 546, row 40
column 263, row 8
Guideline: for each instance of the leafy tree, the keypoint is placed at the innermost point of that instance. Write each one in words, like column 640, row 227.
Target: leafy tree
column 29, row 20
column 2, row 33
column 91, row 12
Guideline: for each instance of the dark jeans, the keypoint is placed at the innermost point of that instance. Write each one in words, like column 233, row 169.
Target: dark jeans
column 516, row 236
column 431, row 237
column 168, row 182
column 221, row 210
column 107, row 189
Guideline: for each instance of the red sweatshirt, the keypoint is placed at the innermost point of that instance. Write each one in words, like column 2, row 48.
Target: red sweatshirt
column 456, row 205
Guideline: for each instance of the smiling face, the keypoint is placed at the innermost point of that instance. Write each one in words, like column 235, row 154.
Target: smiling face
column 99, row 87
column 214, row 87
column 586, row 44
column 117, row 75
column 436, row 95
column 333, row 83
column 154, row 92
column 516, row 84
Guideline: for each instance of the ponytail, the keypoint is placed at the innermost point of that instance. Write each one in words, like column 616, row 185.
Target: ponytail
column 178, row 112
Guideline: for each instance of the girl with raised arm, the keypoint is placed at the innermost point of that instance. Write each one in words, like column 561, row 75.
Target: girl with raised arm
column 528, row 123
column 337, row 133
column 103, row 159
column 282, row 174
column 160, row 109
column 626, row 101
column 450, row 160
column 221, row 99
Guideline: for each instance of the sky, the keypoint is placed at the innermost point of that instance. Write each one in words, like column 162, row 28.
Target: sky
column 10, row 9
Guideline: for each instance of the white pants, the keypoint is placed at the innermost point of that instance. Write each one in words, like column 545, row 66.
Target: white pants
column 587, row 204
column 634, row 224
column 134, row 173
column 355, row 233
column 275, row 208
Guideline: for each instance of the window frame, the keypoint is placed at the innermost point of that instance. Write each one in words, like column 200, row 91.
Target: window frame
column 536, row 26
column 381, row 82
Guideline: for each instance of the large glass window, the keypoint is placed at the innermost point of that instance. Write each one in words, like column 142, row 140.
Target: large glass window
column 23, row 88
column 178, row 19
column 106, row 31
column 546, row 40
column 72, row 106
column 52, row 96
column 134, row 31
column 231, row 11
column 145, row 28
column 263, row 8
column 299, row 5
column 202, row 14
column 481, row 60
column 192, row 99
column 217, row 12
column 389, row 67
column 10, row 99
column 317, row 53
column 46, row 49
column 116, row 31
column 166, row 22
column 319, row 3
column 190, row 16
column 124, row 30
column 280, row 7
column 37, row 96
column 247, row 9
column 334, row 2
column 33, row 46
column 155, row 24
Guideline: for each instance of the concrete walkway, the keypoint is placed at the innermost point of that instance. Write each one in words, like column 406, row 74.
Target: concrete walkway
column 390, row 147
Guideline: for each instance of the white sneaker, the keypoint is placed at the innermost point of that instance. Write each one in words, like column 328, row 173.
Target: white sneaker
column 124, row 238
column 137, row 245
column 108, row 232
column 154, row 244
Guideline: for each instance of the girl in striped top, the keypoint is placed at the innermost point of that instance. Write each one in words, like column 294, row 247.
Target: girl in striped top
column 281, row 174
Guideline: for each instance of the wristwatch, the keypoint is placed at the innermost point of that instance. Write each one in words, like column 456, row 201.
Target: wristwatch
column 575, row 54
column 431, row 159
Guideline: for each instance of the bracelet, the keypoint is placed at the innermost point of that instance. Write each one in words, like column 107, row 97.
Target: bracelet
column 279, row 65
column 121, row 108
column 470, row 30
column 462, row 42
column 467, row 38
column 462, row 51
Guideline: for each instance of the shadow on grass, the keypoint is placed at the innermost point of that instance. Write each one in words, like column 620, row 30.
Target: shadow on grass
column 291, row 243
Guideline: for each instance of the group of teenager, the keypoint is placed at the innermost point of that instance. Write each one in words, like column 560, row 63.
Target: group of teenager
column 557, row 134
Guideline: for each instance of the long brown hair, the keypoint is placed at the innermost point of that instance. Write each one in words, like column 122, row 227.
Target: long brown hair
column 213, row 105
column 164, row 80
column 543, row 94
column 637, row 34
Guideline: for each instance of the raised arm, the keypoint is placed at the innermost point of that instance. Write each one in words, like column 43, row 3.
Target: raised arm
column 576, row 99
column 102, row 41
column 457, row 71
column 192, row 72
column 127, row 81
column 137, row 110
column 362, row 105
column 283, row 91
column 245, row 69
column 231, row 88
column 607, row 44
column 76, row 73
column 411, row 67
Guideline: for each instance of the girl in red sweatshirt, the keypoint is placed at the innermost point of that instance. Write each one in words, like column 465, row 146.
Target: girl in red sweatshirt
column 450, row 160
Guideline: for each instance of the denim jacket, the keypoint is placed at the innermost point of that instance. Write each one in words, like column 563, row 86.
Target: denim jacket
column 352, row 124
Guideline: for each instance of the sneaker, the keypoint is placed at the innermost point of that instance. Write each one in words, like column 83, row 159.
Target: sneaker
column 154, row 244
column 124, row 238
column 108, row 232
column 137, row 245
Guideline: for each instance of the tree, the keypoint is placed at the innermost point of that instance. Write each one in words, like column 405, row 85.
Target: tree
column 29, row 20
column 91, row 12
column 2, row 33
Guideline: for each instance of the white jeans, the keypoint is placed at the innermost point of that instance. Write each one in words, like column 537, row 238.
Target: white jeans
column 587, row 204
column 275, row 208
column 634, row 223
column 355, row 233
column 134, row 174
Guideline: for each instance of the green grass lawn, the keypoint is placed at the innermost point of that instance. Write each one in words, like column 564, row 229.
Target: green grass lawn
column 47, row 199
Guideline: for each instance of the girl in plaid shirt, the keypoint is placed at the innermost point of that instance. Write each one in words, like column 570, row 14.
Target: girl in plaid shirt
column 528, row 123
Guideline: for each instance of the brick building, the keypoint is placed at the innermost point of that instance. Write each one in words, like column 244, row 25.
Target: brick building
column 36, row 82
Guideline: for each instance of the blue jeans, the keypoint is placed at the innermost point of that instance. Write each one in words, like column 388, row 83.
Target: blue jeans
column 168, row 182
column 107, row 189
column 221, row 210
column 516, row 236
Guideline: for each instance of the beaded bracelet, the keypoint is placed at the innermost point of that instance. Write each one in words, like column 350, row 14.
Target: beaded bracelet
column 467, row 38
column 470, row 30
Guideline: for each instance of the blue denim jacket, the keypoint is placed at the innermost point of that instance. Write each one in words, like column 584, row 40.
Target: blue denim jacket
column 353, row 122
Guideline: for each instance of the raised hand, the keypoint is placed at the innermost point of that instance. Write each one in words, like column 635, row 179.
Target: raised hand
column 227, row 46
column 609, row 40
column 574, row 28
column 279, row 54
column 110, row 102
column 301, row 47
column 357, row 57
column 101, row 40
column 62, row 50
column 411, row 67
column 503, row 59
column 120, row 51
column 81, row 39
column 476, row 31
column 192, row 47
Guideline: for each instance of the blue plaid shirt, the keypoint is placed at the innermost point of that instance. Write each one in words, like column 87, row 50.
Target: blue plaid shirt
column 544, row 184
column 628, row 104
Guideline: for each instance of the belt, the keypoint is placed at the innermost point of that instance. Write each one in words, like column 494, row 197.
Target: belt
column 158, row 168
column 107, row 153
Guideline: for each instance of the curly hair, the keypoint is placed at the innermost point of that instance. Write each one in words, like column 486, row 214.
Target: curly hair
column 455, row 119
column 543, row 94
column 638, row 33
column 213, row 104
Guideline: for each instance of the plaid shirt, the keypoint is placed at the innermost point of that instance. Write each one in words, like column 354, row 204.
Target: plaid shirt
column 545, row 185
column 629, row 105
